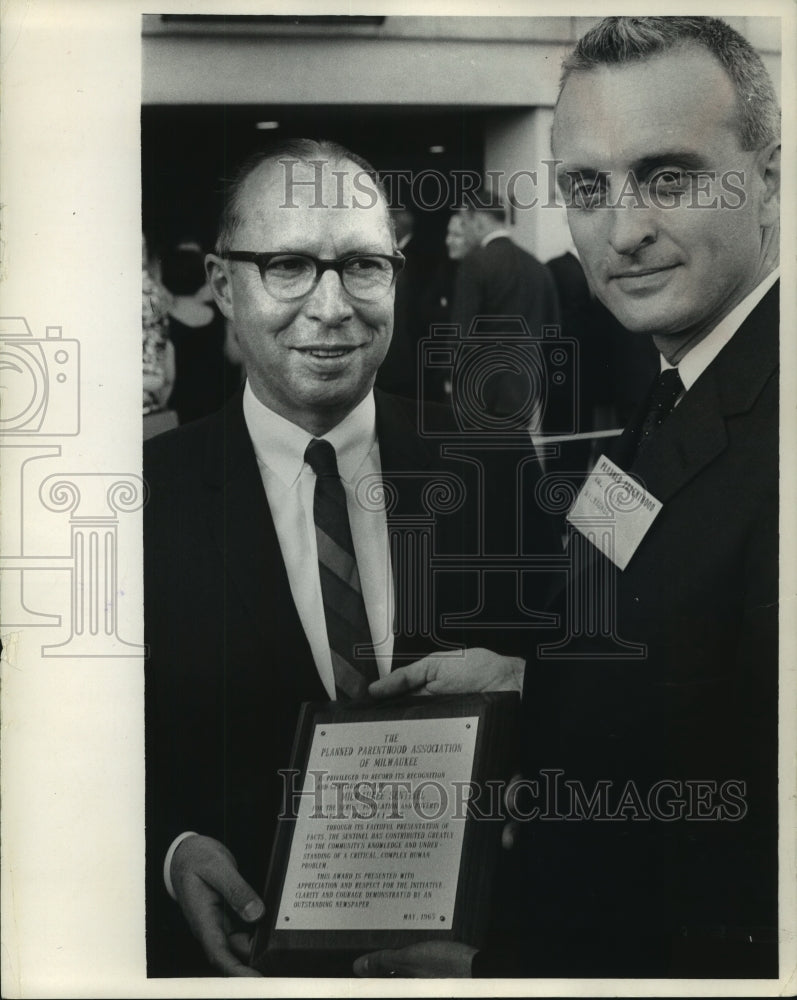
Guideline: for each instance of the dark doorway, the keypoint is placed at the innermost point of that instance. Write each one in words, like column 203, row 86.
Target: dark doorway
column 188, row 149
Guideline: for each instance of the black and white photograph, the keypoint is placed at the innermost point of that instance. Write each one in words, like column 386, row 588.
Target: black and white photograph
column 420, row 611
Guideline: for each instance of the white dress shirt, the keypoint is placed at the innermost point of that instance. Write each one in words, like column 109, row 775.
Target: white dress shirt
column 290, row 485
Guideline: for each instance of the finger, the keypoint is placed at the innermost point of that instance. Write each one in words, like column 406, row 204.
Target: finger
column 404, row 680
column 241, row 944
column 239, row 969
column 237, row 893
column 207, row 861
column 509, row 835
column 225, row 960
column 244, row 971
column 377, row 964
column 205, row 915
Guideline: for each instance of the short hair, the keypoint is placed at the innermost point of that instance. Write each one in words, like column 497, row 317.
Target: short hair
column 618, row 40
column 303, row 150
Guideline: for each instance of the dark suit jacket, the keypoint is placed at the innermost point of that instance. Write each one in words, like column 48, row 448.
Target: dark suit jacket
column 503, row 280
column 229, row 662
column 652, row 896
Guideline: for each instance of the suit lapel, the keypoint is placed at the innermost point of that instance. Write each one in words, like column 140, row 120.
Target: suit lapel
column 690, row 439
column 695, row 433
column 243, row 529
column 405, row 459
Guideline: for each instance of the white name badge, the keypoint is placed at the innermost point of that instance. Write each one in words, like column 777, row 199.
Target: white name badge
column 613, row 512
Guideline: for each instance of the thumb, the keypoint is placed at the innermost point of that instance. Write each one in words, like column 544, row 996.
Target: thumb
column 242, row 898
column 378, row 963
column 509, row 834
column 235, row 891
column 410, row 679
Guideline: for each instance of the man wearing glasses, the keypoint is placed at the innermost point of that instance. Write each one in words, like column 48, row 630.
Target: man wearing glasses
column 268, row 569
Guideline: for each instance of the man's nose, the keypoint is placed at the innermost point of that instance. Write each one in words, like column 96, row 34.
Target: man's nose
column 328, row 302
column 632, row 226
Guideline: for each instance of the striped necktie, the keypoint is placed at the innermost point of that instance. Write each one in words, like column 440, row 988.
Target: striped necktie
column 354, row 667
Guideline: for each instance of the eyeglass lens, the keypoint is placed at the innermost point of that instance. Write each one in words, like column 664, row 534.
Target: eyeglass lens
column 291, row 276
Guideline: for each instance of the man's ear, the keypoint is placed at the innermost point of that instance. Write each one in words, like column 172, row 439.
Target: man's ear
column 768, row 163
column 480, row 225
column 220, row 284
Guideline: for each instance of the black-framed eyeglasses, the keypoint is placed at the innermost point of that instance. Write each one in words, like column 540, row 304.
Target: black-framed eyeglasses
column 288, row 276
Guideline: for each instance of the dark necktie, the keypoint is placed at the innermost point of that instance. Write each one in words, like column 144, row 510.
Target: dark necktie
column 667, row 389
column 354, row 667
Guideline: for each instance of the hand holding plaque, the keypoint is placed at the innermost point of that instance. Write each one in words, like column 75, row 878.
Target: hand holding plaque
column 425, row 960
column 467, row 671
column 218, row 905
column 378, row 846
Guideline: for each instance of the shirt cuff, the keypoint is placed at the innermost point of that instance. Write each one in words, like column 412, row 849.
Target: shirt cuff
column 518, row 666
column 167, row 861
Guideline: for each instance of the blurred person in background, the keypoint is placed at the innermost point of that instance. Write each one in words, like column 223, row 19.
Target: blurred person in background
column 456, row 246
column 441, row 296
column 158, row 363
column 498, row 279
column 204, row 376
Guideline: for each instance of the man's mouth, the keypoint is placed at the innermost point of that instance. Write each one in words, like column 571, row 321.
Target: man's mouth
column 326, row 352
column 642, row 272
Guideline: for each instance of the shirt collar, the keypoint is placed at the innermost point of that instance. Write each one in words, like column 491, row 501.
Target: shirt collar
column 280, row 445
column 694, row 363
column 494, row 235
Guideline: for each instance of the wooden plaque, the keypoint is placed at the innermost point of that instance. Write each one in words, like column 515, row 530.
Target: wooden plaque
column 390, row 831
